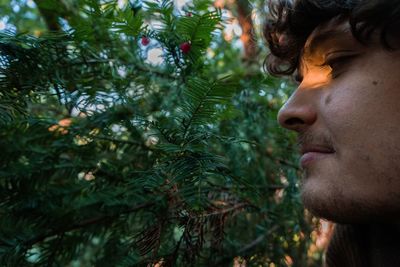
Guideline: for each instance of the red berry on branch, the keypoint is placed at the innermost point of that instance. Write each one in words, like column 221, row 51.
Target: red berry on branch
column 189, row 14
column 185, row 47
column 145, row 41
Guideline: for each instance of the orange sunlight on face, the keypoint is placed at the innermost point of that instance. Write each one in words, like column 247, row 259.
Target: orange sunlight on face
column 349, row 124
column 315, row 75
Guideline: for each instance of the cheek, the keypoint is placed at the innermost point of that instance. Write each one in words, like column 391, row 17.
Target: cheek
column 346, row 114
column 364, row 121
column 361, row 109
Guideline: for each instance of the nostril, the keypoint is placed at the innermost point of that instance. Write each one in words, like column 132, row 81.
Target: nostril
column 293, row 121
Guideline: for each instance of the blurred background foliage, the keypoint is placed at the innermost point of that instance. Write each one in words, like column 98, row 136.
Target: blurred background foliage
column 144, row 133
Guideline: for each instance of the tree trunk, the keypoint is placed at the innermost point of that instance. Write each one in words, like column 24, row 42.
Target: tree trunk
column 248, row 37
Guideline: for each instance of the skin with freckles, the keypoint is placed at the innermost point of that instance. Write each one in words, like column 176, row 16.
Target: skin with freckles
column 348, row 101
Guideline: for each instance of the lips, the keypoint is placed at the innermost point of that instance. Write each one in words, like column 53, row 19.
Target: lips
column 316, row 148
column 313, row 152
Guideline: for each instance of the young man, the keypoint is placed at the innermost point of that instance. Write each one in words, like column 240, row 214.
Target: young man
column 346, row 111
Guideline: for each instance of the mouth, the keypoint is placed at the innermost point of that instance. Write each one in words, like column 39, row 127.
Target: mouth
column 313, row 153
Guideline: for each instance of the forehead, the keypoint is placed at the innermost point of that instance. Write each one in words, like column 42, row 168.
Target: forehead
column 331, row 34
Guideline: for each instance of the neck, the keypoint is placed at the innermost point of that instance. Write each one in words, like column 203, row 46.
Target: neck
column 364, row 245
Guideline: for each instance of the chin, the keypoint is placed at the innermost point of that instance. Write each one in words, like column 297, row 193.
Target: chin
column 337, row 206
column 334, row 204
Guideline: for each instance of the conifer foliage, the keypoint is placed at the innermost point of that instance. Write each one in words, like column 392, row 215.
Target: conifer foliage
column 112, row 156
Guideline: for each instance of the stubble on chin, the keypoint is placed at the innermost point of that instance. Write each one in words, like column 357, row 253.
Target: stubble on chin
column 329, row 203
column 319, row 206
column 334, row 205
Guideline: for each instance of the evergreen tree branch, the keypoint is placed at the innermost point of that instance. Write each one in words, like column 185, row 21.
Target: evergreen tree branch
column 130, row 142
column 56, row 248
column 227, row 210
column 137, row 67
column 83, row 224
column 258, row 240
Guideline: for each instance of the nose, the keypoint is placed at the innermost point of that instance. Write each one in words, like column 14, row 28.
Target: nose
column 298, row 113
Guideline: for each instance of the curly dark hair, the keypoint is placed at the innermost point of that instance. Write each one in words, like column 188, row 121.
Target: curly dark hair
column 291, row 22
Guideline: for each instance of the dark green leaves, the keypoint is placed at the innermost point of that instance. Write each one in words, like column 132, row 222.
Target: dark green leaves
column 117, row 152
column 198, row 30
column 205, row 99
column 129, row 23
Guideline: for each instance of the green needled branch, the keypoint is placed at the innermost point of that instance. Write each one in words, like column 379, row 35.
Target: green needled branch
column 82, row 224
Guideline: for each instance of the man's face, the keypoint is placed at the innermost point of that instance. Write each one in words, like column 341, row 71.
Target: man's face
column 346, row 111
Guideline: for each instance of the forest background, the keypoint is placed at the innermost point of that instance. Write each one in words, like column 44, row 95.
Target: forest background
column 144, row 133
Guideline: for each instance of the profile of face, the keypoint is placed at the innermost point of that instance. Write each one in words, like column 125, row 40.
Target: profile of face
column 346, row 111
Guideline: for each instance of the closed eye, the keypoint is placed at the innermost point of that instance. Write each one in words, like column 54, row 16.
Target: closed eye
column 338, row 64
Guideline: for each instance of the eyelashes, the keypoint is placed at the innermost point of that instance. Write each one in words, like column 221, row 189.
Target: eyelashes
column 337, row 64
column 298, row 77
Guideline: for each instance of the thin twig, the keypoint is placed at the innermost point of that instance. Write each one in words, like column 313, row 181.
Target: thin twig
column 130, row 142
column 258, row 240
column 224, row 211
column 83, row 224
column 56, row 248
